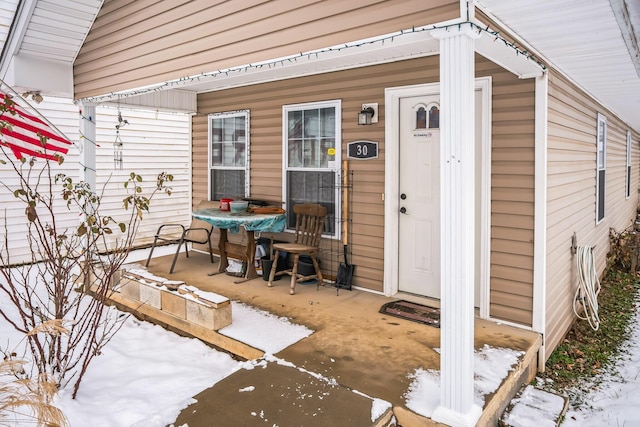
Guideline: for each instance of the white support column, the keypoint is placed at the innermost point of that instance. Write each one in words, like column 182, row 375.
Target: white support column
column 457, row 212
column 88, row 145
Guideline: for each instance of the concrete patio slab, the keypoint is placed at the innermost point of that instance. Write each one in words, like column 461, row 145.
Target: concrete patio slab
column 276, row 394
column 353, row 344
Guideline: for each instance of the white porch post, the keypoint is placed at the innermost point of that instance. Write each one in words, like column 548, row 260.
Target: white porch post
column 457, row 234
column 88, row 145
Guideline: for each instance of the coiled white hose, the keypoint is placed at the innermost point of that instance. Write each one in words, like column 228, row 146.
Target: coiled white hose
column 588, row 287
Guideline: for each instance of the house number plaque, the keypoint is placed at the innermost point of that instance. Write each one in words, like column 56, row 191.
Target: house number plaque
column 362, row 150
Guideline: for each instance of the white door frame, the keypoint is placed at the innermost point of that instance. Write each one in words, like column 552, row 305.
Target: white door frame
column 392, row 184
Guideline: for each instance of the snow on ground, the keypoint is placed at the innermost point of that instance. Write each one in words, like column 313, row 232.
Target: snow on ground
column 535, row 408
column 146, row 375
column 264, row 331
column 491, row 366
column 615, row 401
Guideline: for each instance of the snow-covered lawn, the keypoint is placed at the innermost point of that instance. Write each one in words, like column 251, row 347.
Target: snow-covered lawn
column 616, row 399
column 146, row 375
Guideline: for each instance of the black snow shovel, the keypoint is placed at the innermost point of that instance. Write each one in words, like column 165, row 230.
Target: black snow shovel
column 345, row 270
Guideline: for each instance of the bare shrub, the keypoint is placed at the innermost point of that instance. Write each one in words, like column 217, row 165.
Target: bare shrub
column 624, row 249
column 64, row 322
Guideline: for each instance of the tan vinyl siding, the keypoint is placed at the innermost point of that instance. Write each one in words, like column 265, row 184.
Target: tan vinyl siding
column 512, row 195
column 512, row 216
column 265, row 103
column 571, row 194
column 137, row 43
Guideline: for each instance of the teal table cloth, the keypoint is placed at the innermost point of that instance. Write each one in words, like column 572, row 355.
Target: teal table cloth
column 231, row 221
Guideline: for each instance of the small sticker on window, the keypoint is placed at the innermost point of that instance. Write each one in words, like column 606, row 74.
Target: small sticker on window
column 331, row 151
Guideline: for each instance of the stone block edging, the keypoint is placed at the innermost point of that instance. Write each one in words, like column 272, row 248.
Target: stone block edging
column 206, row 309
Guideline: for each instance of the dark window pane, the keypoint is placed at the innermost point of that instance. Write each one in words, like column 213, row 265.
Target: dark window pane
column 294, row 119
column 311, row 153
column 311, row 187
column 295, row 153
column 216, row 154
column 601, row 193
column 328, row 122
column 311, row 123
column 239, row 129
column 421, row 118
column 227, row 184
column 239, row 154
column 434, row 118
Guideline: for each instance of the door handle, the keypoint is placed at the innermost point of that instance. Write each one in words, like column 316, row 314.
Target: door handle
column 403, row 196
column 403, row 210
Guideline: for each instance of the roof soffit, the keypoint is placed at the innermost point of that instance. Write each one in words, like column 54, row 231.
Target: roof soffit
column 584, row 41
column 46, row 30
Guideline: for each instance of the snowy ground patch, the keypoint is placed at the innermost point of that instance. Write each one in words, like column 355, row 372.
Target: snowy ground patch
column 491, row 366
column 144, row 377
column 616, row 398
column 263, row 330
column 535, row 408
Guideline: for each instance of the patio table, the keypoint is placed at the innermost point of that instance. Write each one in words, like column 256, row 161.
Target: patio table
column 251, row 222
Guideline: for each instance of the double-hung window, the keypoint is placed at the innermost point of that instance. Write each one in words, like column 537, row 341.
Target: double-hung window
column 311, row 153
column 601, row 155
column 228, row 155
column 628, row 180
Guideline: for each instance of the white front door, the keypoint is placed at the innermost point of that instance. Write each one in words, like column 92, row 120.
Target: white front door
column 412, row 186
column 419, row 213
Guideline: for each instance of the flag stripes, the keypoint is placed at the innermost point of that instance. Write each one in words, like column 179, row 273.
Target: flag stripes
column 23, row 135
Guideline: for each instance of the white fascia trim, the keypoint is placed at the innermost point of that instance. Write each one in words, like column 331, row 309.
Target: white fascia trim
column 485, row 85
column 540, row 212
column 15, row 37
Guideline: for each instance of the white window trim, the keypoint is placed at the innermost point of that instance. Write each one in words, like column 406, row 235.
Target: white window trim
column 627, row 183
column 247, row 175
column 337, row 162
column 601, row 129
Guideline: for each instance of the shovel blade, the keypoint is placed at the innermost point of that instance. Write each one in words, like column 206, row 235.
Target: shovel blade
column 344, row 276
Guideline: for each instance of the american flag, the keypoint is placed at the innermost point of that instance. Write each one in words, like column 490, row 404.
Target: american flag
column 26, row 134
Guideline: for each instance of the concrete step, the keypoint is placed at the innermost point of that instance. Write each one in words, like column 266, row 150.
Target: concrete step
column 533, row 407
column 276, row 393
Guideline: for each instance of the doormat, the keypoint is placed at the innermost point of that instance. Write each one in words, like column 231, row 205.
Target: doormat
column 414, row 312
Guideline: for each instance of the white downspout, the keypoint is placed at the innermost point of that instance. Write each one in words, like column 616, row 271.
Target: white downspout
column 540, row 222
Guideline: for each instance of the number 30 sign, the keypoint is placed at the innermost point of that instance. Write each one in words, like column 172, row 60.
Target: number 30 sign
column 362, row 150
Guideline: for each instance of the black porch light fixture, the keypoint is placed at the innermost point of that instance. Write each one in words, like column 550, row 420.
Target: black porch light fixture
column 368, row 114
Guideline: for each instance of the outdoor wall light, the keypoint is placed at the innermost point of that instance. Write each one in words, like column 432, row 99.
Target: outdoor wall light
column 368, row 114
column 35, row 96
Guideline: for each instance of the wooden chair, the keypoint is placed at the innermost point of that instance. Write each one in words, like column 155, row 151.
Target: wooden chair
column 310, row 220
column 198, row 232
